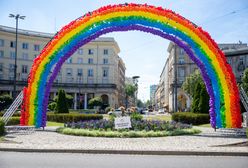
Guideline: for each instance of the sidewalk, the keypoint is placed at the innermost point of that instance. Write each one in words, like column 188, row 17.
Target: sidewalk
column 206, row 143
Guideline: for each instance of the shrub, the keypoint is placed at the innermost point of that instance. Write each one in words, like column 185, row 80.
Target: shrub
column 136, row 116
column 5, row 101
column 191, row 118
column 96, row 101
column 14, row 121
column 62, row 106
column 2, row 128
column 64, row 118
column 107, row 109
column 52, row 106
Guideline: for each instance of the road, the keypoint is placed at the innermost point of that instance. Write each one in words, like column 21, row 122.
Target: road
column 60, row 160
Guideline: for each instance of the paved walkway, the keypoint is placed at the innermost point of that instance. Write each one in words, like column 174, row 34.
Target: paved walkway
column 208, row 140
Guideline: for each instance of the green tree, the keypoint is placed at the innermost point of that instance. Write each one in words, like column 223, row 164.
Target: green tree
column 96, row 101
column 191, row 81
column 196, row 98
column 245, row 81
column 130, row 89
column 204, row 100
column 69, row 100
column 140, row 103
column 62, row 106
column 5, row 101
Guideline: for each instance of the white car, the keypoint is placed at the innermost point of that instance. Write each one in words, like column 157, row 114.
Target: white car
column 117, row 112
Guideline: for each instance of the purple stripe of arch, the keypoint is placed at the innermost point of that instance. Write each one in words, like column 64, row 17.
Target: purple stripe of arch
column 143, row 29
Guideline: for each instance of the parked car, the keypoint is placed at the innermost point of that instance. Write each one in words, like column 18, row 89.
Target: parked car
column 117, row 112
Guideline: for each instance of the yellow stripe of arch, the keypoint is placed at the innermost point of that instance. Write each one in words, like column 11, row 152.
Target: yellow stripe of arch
column 162, row 19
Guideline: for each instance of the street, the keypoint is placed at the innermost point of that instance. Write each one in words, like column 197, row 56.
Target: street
column 60, row 160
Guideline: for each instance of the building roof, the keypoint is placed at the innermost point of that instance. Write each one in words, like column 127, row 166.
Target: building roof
column 50, row 35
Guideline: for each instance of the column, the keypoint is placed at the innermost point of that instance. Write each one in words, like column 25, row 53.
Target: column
column 11, row 93
column 75, row 101
column 85, row 101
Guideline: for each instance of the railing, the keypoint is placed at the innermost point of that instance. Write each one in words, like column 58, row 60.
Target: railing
column 244, row 98
column 13, row 107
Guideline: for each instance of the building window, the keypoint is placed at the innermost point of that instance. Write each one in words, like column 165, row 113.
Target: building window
column 25, row 46
column 90, row 72
column 68, row 71
column 24, row 69
column 35, row 55
column 12, row 44
column 69, row 60
column 1, row 42
column 229, row 60
column 11, row 67
column 1, row 54
column 25, row 56
column 90, row 61
column 80, row 51
column 105, row 73
column 80, row 60
column 90, row 52
column 1, row 67
column 12, row 54
column 105, row 52
column 181, row 51
column 181, row 72
column 80, row 72
column 36, row 47
column 181, row 60
column 105, row 61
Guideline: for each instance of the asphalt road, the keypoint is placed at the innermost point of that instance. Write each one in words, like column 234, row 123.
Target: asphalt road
column 60, row 160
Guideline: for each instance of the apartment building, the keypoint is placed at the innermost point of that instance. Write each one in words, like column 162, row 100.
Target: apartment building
column 95, row 69
column 237, row 57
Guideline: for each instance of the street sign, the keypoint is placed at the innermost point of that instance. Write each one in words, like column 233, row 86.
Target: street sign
column 122, row 122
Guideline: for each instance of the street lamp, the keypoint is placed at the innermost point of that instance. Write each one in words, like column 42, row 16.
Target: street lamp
column 135, row 81
column 16, row 17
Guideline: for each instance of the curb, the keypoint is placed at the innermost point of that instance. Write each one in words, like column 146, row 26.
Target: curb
column 126, row 152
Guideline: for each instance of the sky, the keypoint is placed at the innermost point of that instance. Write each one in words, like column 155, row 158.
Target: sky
column 144, row 54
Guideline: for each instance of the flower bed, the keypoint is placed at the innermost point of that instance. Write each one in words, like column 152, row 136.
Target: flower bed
column 137, row 125
column 140, row 128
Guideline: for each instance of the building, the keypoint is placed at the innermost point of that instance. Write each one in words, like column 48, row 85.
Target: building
column 153, row 89
column 95, row 69
column 237, row 57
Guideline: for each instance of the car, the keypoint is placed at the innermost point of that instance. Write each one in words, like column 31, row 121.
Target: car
column 117, row 112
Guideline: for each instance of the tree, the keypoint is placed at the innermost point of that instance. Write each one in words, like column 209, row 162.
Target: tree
column 96, row 101
column 130, row 89
column 140, row 103
column 69, row 100
column 203, row 106
column 245, row 81
column 191, row 81
column 62, row 106
column 5, row 101
column 196, row 98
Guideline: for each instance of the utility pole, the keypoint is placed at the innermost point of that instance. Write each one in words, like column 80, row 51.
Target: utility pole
column 16, row 17
column 175, row 78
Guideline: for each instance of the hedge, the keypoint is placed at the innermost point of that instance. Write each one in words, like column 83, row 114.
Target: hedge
column 64, row 118
column 191, row 118
column 2, row 128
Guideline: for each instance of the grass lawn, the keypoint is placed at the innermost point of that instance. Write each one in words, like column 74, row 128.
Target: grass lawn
column 50, row 123
column 204, row 125
column 158, row 117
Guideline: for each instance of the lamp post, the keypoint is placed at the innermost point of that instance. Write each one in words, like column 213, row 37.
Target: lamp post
column 16, row 17
column 135, row 81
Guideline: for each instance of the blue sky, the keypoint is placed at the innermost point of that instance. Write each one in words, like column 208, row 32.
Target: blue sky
column 143, row 54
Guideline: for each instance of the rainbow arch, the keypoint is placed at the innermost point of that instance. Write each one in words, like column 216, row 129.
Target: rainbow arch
column 201, row 48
